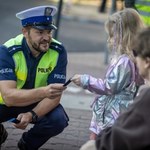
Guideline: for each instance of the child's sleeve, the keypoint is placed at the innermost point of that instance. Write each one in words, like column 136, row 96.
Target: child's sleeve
column 118, row 77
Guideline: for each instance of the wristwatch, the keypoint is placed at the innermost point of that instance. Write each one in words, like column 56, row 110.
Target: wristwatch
column 34, row 116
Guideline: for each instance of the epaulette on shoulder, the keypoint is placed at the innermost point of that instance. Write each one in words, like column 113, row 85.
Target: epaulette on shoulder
column 13, row 49
column 14, row 44
column 57, row 46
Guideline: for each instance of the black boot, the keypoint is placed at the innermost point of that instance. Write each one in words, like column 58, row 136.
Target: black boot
column 3, row 134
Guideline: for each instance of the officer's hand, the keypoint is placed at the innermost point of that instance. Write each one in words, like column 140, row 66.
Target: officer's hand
column 76, row 79
column 53, row 91
column 25, row 119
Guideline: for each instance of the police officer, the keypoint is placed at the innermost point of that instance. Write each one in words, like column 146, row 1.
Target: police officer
column 32, row 73
column 142, row 6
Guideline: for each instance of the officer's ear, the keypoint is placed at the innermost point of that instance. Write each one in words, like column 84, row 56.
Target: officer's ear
column 25, row 31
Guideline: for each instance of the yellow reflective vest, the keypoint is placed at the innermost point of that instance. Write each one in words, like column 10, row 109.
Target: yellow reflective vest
column 46, row 64
column 143, row 7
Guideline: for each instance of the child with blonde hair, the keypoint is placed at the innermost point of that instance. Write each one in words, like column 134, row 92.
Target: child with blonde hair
column 118, row 88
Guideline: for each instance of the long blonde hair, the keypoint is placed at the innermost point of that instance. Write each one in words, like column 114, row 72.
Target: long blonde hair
column 123, row 26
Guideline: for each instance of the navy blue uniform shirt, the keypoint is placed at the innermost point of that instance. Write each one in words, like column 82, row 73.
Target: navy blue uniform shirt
column 7, row 65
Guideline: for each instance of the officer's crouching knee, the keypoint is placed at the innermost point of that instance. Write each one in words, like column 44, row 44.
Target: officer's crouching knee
column 59, row 117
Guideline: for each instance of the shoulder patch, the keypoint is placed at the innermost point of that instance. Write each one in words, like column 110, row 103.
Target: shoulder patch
column 14, row 44
column 56, row 46
column 14, row 49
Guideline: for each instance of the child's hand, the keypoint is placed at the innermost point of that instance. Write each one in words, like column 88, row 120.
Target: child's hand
column 76, row 79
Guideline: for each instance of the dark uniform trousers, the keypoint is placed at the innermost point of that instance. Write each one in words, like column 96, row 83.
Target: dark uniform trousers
column 46, row 127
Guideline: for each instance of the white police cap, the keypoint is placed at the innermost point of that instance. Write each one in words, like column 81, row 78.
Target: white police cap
column 40, row 17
